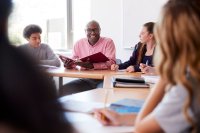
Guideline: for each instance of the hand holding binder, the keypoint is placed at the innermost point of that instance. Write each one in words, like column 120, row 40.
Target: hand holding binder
column 84, row 62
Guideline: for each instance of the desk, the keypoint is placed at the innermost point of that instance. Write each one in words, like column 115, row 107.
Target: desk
column 93, row 74
column 85, row 123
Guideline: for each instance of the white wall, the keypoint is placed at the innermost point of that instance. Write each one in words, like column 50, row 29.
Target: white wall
column 109, row 13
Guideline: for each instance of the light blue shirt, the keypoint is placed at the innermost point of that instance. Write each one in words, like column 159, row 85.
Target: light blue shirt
column 169, row 113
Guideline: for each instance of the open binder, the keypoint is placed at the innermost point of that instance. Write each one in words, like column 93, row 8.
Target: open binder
column 94, row 58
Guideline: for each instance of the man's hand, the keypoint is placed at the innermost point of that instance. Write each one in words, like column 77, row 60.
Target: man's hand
column 69, row 64
column 86, row 65
column 114, row 67
column 147, row 69
column 130, row 69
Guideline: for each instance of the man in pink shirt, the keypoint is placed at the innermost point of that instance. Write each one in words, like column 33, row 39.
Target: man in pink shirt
column 94, row 43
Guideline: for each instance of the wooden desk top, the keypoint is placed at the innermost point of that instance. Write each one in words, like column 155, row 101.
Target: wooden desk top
column 93, row 74
column 98, row 95
column 86, row 123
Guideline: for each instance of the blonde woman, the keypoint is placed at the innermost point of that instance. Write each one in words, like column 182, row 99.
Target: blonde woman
column 174, row 104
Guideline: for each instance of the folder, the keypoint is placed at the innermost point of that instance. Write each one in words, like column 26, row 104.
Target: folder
column 130, row 82
column 94, row 58
column 127, row 105
column 130, row 79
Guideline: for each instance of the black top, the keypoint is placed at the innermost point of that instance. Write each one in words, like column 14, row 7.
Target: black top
column 133, row 59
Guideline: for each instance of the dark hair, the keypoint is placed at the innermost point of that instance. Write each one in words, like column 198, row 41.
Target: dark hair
column 5, row 8
column 30, row 29
column 149, row 26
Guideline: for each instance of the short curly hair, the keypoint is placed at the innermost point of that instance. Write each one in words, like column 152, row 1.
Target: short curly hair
column 30, row 29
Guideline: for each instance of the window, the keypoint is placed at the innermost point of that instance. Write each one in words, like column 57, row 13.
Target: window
column 61, row 21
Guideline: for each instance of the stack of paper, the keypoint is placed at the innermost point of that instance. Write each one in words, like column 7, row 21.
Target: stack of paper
column 150, row 78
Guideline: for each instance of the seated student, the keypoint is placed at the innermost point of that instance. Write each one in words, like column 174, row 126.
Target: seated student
column 143, row 51
column 39, row 51
column 28, row 98
column 173, row 106
column 85, row 47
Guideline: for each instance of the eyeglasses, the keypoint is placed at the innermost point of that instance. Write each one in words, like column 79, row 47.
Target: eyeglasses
column 96, row 30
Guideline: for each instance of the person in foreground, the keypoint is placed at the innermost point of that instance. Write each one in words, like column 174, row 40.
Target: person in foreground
column 39, row 51
column 143, row 51
column 28, row 99
column 173, row 106
column 94, row 43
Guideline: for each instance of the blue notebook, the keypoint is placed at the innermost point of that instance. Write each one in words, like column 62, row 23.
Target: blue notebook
column 127, row 105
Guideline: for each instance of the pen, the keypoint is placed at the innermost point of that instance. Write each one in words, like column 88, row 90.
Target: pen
column 105, row 102
column 147, row 62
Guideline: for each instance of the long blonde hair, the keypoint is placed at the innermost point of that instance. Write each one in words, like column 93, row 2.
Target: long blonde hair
column 177, row 34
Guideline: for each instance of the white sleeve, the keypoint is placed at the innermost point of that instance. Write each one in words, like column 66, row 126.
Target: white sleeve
column 169, row 113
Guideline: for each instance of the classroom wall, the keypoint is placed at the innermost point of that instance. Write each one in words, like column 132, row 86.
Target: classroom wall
column 110, row 14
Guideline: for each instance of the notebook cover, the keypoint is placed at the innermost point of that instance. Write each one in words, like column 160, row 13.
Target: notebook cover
column 117, row 84
column 127, row 105
column 95, row 58
column 65, row 59
column 130, row 79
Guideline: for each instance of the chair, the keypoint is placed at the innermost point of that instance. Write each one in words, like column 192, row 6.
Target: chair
column 118, row 61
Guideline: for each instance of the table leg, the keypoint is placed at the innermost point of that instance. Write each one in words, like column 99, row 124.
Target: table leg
column 60, row 81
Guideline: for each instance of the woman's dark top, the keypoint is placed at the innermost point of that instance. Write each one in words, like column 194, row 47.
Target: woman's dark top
column 133, row 61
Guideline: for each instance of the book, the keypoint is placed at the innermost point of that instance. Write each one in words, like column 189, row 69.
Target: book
column 94, row 58
column 130, row 82
column 130, row 79
column 127, row 105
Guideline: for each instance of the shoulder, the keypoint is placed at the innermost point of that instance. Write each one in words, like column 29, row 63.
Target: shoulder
column 43, row 45
column 106, row 40
column 82, row 40
column 171, row 107
column 23, row 45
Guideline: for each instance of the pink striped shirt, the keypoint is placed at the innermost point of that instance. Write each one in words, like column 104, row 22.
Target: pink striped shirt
column 105, row 45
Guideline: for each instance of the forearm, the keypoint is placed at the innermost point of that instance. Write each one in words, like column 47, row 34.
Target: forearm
column 124, row 65
column 128, row 119
column 103, row 65
column 152, row 101
column 136, row 68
